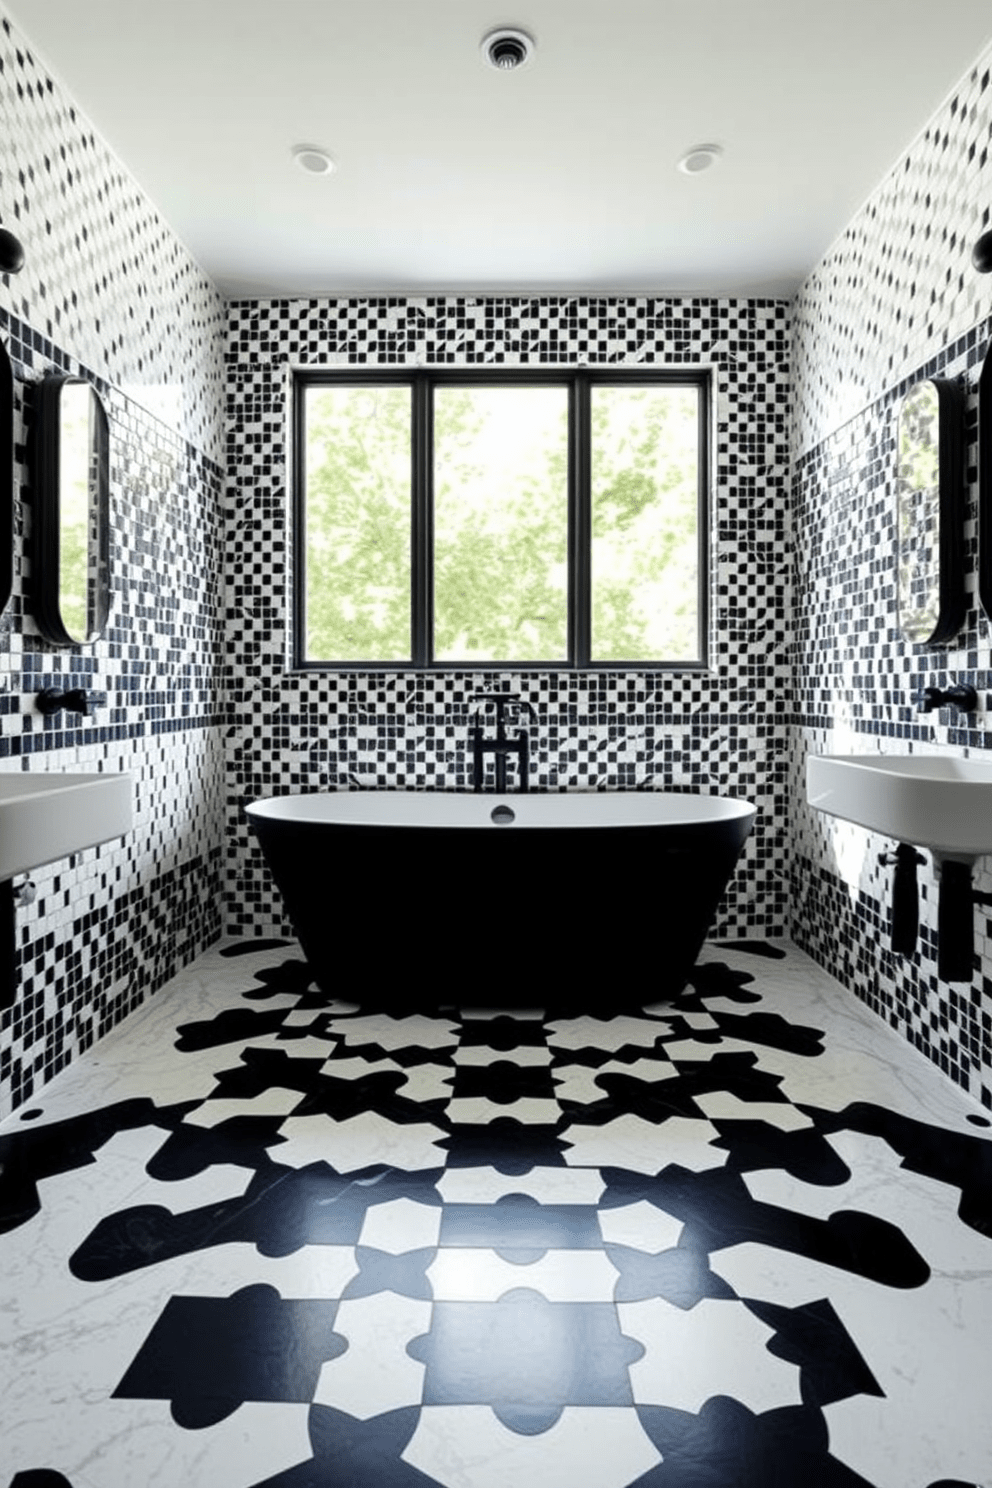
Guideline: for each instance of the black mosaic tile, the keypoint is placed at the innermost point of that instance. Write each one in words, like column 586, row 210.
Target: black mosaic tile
column 725, row 1441
column 526, row 1358
column 253, row 1346
column 346, row 1450
column 813, row 1336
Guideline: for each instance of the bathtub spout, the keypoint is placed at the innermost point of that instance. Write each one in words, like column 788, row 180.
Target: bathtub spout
column 500, row 748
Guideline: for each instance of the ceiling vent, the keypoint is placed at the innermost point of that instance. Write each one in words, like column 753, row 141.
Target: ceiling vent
column 507, row 49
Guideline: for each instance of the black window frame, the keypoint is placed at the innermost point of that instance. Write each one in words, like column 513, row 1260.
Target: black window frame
column 422, row 381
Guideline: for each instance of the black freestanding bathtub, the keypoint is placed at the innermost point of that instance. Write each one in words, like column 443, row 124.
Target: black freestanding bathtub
column 406, row 899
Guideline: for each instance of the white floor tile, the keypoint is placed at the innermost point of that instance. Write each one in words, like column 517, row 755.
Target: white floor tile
column 414, row 1032
column 276, row 1102
column 376, row 1373
column 548, row 1185
column 721, row 1105
column 596, row 1033
column 715, row 1348
column 401, row 1225
column 640, row 1226
column 630, row 1142
column 359, row 1142
column 475, row 1275
column 477, row 1111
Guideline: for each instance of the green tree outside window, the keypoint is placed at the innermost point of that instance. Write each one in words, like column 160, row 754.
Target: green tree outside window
column 500, row 513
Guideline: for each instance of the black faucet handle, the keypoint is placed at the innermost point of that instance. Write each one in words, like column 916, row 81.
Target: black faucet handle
column 50, row 700
column 962, row 696
column 503, row 701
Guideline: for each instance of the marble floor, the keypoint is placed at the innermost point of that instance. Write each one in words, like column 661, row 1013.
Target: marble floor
column 262, row 1239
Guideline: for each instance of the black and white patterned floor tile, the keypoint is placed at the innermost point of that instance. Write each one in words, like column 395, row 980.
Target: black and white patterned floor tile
column 261, row 1239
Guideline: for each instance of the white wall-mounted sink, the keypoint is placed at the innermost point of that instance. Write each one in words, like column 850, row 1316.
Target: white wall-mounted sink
column 936, row 802
column 46, row 816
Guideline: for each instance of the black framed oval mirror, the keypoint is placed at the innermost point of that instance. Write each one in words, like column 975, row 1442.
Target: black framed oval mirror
column 985, row 484
column 930, row 512
column 6, row 478
column 71, row 550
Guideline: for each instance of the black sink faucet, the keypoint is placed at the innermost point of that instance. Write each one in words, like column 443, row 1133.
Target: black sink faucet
column 501, row 746
column 80, row 700
column 963, row 697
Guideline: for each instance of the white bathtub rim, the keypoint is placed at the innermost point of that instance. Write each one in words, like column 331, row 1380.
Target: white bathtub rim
column 531, row 809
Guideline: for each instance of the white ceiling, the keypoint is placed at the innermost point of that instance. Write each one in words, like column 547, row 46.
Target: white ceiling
column 560, row 177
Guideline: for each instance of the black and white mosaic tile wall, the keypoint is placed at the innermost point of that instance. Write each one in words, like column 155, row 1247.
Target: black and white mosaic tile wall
column 897, row 288
column 722, row 733
column 108, row 292
column 105, row 276
column 895, row 301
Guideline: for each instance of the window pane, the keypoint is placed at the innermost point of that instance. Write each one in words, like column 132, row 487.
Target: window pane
column 501, row 524
column 645, row 516
column 358, row 569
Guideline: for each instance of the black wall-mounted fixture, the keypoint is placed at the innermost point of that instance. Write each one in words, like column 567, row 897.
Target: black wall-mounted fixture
column 956, row 921
column 962, row 696
column 8, row 945
column 501, row 746
column 11, row 253
column 904, row 917
column 11, row 895
column 77, row 700
column 981, row 254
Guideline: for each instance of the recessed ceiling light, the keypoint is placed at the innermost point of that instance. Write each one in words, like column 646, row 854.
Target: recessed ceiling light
column 699, row 159
column 313, row 160
column 507, row 48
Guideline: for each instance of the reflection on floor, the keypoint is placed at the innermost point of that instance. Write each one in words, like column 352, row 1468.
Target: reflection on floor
column 261, row 1239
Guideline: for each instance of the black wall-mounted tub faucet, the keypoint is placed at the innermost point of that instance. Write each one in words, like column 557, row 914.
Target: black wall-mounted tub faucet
column 501, row 746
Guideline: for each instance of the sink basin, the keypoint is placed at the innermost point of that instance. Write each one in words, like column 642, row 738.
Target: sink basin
column 940, row 803
column 47, row 816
